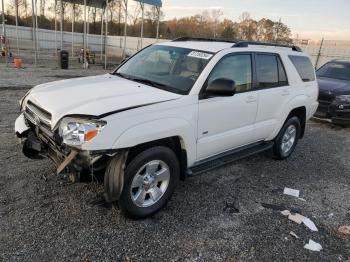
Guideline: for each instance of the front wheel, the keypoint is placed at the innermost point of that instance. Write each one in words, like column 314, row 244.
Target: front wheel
column 287, row 139
column 150, row 180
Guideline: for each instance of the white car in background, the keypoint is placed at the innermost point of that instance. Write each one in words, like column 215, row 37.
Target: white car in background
column 170, row 110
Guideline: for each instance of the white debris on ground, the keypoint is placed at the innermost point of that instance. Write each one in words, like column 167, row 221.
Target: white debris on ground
column 313, row 246
column 294, row 235
column 297, row 218
column 291, row 192
column 285, row 213
column 311, row 225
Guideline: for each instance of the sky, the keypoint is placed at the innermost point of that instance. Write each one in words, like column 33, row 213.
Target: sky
column 308, row 19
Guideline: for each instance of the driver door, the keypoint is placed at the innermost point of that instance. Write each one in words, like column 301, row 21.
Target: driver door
column 226, row 123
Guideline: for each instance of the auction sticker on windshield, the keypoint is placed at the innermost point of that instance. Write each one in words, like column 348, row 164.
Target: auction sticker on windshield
column 201, row 55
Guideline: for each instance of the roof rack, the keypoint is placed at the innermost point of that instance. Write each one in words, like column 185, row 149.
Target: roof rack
column 185, row 38
column 247, row 43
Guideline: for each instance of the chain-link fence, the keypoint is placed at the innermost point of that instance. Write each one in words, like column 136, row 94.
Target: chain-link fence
column 48, row 42
column 324, row 51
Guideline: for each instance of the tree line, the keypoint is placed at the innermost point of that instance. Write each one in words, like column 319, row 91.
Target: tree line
column 208, row 24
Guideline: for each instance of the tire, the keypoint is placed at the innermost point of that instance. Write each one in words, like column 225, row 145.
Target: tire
column 147, row 184
column 287, row 139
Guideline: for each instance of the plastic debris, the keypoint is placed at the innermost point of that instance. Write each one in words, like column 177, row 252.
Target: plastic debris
column 293, row 234
column 280, row 208
column 313, row 246
column 291, row 192
column 330, row 215
column 302, row 199
column 285, row 213
column 297, row 218
column 344, row 230
column 307, row 222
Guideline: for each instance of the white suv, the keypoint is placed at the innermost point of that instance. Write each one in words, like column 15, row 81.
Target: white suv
column 170, row 110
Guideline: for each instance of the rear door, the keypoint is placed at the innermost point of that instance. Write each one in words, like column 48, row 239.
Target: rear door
column 274, row 92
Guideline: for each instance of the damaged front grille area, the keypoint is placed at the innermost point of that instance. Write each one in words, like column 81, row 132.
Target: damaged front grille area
column 39, row 121
column 38, row 117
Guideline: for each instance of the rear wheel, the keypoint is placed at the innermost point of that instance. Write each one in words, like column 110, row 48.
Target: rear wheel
column 150, row 180
column 287, row 139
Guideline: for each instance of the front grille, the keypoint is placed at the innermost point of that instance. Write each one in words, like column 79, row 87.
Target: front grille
column 36, row 111
column 325, row 98
column 38, row 117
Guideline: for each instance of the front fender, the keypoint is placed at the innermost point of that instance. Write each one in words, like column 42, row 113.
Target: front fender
column 159, row 129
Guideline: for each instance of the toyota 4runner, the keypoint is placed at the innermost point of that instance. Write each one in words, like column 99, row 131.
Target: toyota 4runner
column 172, row 109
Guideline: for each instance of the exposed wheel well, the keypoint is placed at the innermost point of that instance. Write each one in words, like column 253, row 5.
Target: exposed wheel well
column 299, row 112
column 174, row 143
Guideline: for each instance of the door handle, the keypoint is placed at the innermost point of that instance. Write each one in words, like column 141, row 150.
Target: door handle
column 250, row 99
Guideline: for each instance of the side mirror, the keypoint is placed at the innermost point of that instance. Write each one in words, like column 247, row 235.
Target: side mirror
column 221, row 87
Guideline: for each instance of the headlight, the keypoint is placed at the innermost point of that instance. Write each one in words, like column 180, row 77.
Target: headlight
column 75, row 132
column 343, row 99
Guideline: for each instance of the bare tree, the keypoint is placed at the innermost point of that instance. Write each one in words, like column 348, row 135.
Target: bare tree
column 216, row 14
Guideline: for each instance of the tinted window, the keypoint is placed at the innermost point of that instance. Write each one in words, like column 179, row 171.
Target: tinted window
column 335, row 70
column 282, row 77
column 304, row 67
column 237, row 68
column 267, row 71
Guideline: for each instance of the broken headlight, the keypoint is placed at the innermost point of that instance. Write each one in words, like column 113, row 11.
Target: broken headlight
column 75, row 132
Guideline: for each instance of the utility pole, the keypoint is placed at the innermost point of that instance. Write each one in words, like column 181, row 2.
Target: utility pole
column 125, row 27
column 319, row 54
column 16, row 6
column 34, row 34
column 4, row 31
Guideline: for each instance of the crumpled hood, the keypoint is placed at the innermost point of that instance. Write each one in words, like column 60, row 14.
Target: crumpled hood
column 335, row 86
column 95, row 96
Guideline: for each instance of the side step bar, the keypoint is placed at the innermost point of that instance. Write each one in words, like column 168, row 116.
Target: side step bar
column 229, row 157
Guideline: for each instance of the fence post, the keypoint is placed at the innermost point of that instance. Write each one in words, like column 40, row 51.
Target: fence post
column 319, row 54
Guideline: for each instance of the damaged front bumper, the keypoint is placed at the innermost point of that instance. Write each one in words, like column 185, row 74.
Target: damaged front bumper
column 337, row 113
column 39, row 142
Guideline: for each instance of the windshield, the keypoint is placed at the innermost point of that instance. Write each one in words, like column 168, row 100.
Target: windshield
column 169, row 68
column 335, row 70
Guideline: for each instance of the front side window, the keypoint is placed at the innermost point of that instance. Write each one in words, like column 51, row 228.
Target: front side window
column 335, row 70
column 237, row 68
column 304, row 67
column 169, row 68
column 267, row 71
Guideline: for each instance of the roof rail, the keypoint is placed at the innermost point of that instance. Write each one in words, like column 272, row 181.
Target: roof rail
column 185, row 38
column 247, row 43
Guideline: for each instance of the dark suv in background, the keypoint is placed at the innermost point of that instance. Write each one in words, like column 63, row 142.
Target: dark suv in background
column 334, row 97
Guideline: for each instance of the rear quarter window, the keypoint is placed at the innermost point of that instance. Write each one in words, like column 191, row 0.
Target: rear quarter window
column 304, row 67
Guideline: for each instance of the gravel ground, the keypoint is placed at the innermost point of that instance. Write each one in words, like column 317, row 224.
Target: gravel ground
column 45, row 218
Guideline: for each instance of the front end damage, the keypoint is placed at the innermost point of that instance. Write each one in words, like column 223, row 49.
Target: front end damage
column 39, row 141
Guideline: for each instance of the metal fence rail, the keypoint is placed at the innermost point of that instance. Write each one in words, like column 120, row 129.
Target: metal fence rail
column 48, row 43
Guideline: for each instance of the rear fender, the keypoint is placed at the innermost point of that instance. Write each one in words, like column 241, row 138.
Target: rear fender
column 298, row 101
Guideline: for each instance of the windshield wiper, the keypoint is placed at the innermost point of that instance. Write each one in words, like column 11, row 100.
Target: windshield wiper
column 148, row 82
column 122, row 75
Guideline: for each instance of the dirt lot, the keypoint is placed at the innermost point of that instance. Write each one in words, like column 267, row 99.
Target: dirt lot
column 43, row 218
